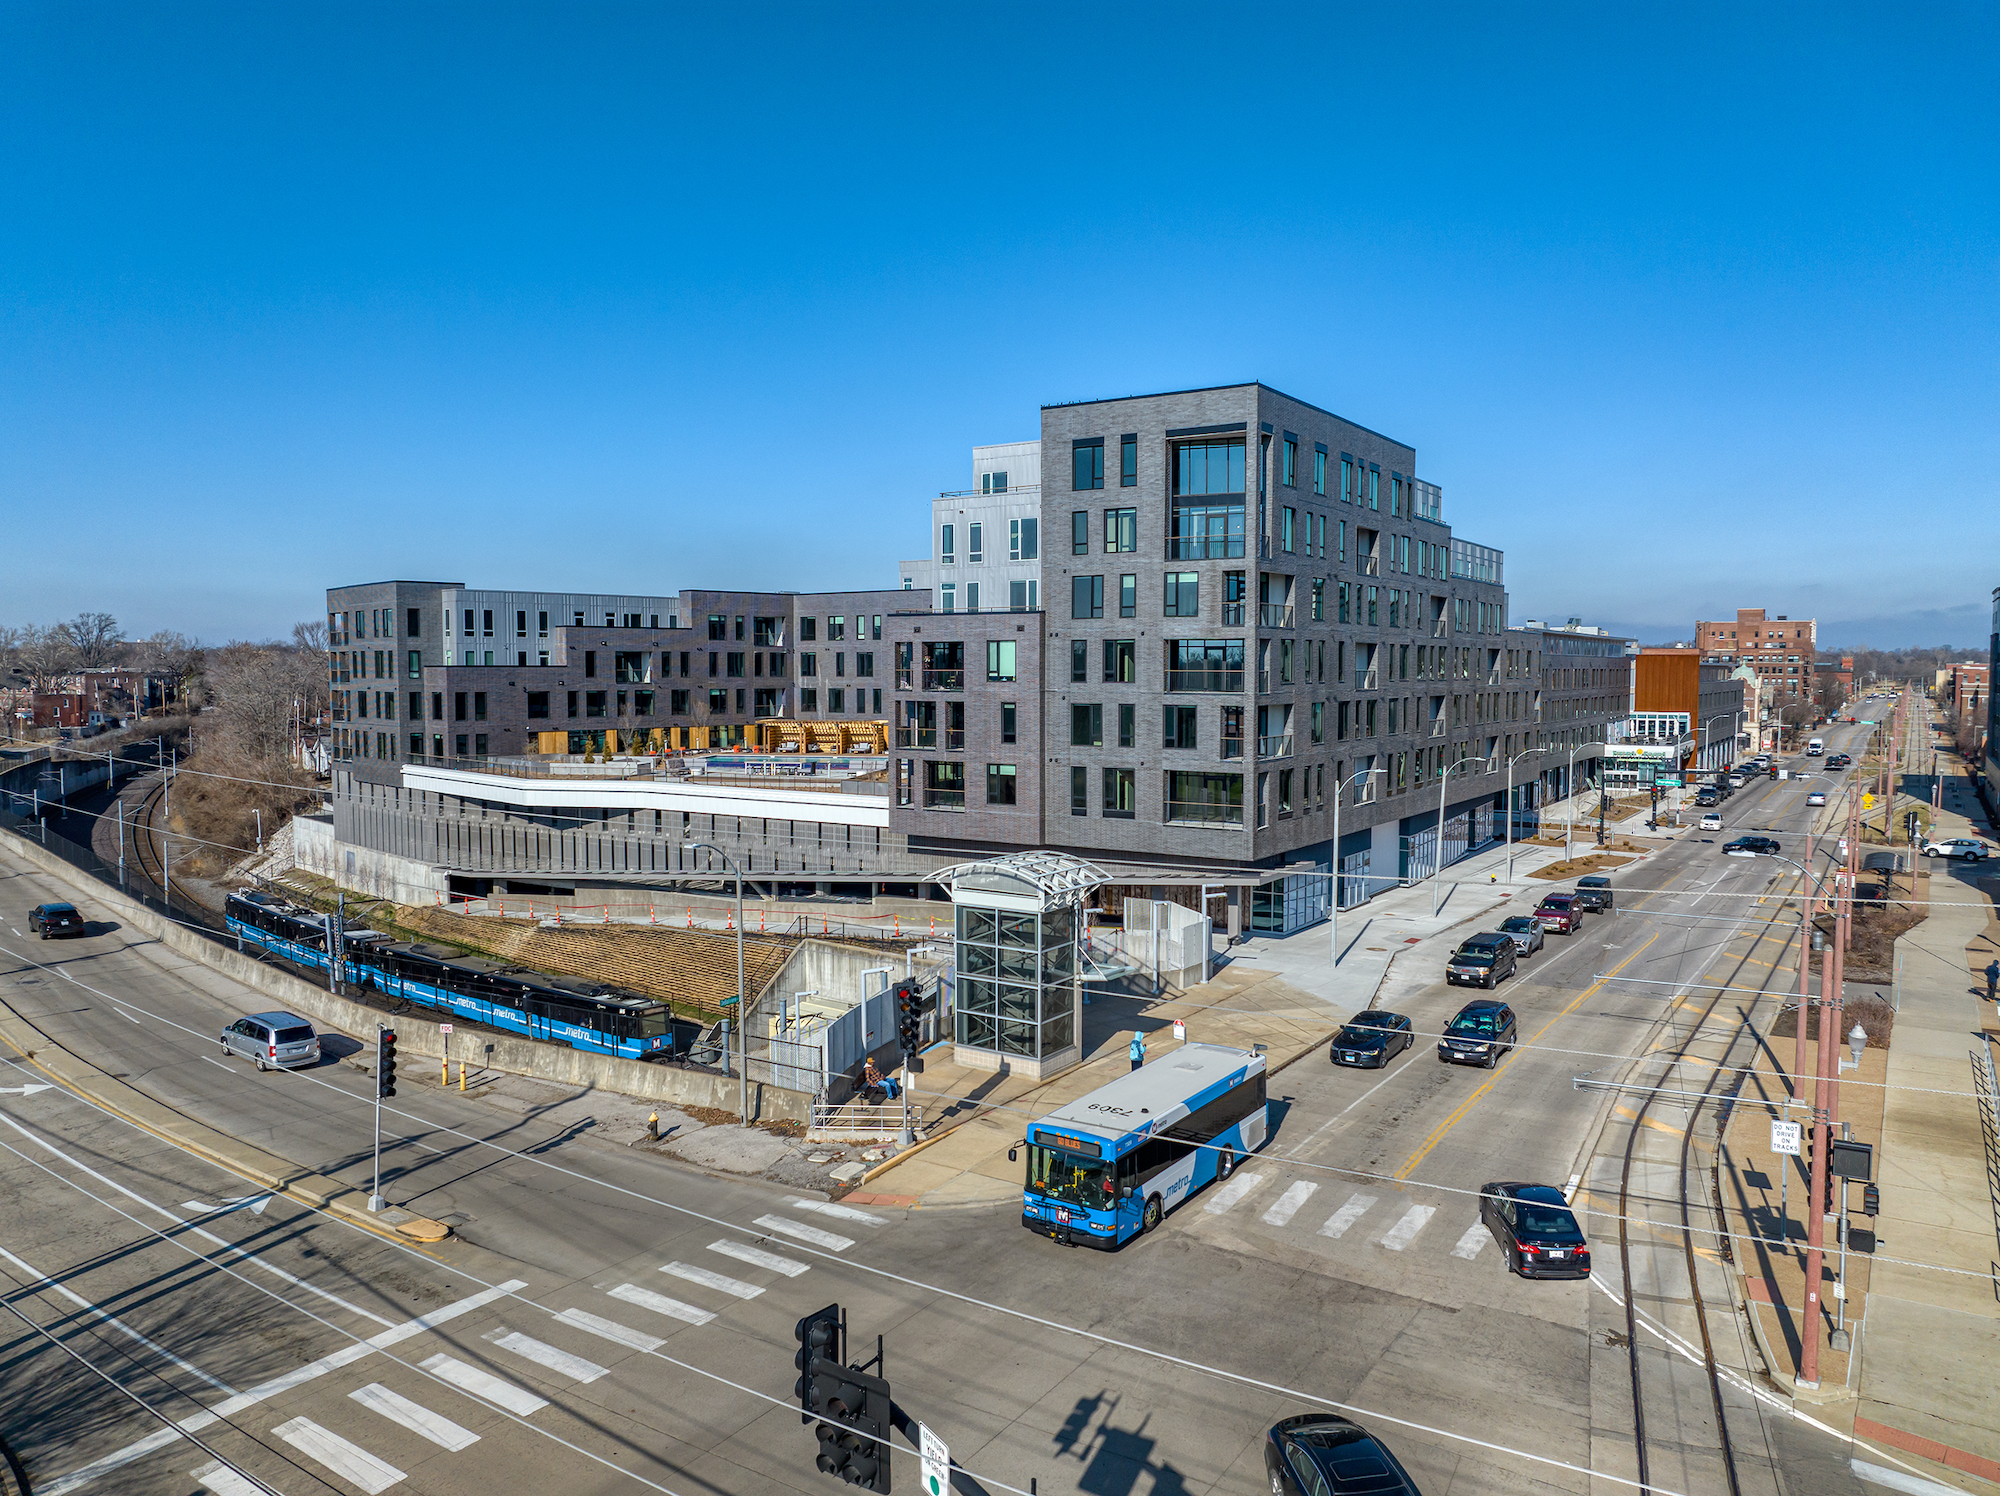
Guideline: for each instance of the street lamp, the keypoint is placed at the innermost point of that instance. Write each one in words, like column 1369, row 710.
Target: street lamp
column 1510, row 805
column 1705, row 741
column 1569, row 817
column 1444, row 778
column 1333, row 911
column 742, row 1006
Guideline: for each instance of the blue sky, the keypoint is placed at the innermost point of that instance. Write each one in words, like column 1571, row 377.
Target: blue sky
column 1686, row 310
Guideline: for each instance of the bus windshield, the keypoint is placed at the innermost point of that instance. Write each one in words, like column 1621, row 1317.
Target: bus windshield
column 1059, row 1175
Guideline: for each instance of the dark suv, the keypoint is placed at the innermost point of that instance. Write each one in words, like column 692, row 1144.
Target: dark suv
column 1536, row 1229
column 1478, row 1034
column 1594, row 893
column 54, row 919
column 1483, row 961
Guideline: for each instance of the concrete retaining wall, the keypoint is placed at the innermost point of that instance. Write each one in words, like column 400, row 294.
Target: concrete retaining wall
column 418, row 1036
column 380, row 875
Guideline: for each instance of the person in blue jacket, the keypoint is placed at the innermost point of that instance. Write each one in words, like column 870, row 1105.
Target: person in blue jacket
column 1138, row 1049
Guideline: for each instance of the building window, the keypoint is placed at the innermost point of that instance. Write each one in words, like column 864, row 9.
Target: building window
column 1000, row 659
column 1291, row 478
column 836, row 699
column 1319, row 471
column 1288, row 522
column 487, row 615
column 974, row 543
column 593, row 703
column 1024, row 539
column 1086, row 597
column 992, row 482
column 1087, row 459
column 416, row 706
column 642, row 703
column 413, row 625
column 944, row 785
column 1183, row 594
column 1121, row 661
column 808, row 629
column 1319, row 600
column 972, row 597
column 1128, row 596
column 864, row 662
column 479, row 706
column 1179, row 726
column 416, row 745
column 1079, row 791
column 1285, row 791
column 1007, row 721
column 1120, row 793
column 1128, row 461
column 718, row 701
column 458, row 706
column 1079, row 660
column 1000, row 784
column 1207, row 520
column 1121, row 530
column 572, row 703
column 733, row 666
column 949, row 595
column 479, row 744
column 1211, row 799
column 462, row 744
column 1374, row 487
column 1128, row 726
column 839, row 663
column 1086, row 725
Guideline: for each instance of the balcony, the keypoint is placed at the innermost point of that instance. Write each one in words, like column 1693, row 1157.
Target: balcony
column 1203, row 813
column 944, row 680
column 1232, row 615
column 1371, row 564
column 906, row 678
column 1276, row 615
column 1232, row 747
column 944, row 799
column 1275, row 747
column 954, row 740
column 916, row 737
column 1206, row 680
column 1369, row 680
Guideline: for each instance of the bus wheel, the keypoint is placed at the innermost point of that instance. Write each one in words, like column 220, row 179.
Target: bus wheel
column 1151, row 1218
column 1225, row 1164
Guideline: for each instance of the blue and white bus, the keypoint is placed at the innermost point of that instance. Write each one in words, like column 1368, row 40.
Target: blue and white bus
column 1107, row 1166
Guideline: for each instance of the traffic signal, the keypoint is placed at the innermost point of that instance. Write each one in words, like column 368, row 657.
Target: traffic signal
column 854, row 1438
column 385, row 1063
column 819, row 1337
column 911, row 1005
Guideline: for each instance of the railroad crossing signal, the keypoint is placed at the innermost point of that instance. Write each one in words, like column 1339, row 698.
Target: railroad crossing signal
column 385, row 1063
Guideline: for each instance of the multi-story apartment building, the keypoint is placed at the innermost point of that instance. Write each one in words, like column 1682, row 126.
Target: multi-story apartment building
column 1781, row 650
column 1569, row 691
column 1689, row 715
column 986, row 542
column 1254, row 619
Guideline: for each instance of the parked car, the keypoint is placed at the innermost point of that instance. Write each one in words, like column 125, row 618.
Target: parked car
column 1482, row 960
column 1594, row 893
column 1536, row 1229
column 1712, row 821
column 283, row 1041
column 1707, row 795
column 1558, row 911
column 1816, row 797
column 48, row 920
column 1323, row 1454
column 1751, row 846
column 1527, row 933
column 1478, row 1034
column 1371, row 1039
column 1958, row 846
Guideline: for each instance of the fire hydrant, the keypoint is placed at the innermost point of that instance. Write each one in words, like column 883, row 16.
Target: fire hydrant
column 653, row 1127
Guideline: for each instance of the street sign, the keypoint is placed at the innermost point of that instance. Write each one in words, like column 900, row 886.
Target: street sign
column 1850, row 1160
column 936, row 1461
column 444, row 1028
column 1867, row 801
column 1180, row 1032
column 1786, row 1137
column 1667, row 781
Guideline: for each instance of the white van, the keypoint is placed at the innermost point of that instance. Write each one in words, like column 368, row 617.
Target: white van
column 1815, row 748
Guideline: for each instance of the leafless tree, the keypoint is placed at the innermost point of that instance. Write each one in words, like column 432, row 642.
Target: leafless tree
column 95, row 637
column 309, row 642
column 43, row 654
column 175, row 655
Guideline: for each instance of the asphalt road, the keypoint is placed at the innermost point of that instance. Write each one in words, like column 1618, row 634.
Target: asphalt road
column 633, row 1317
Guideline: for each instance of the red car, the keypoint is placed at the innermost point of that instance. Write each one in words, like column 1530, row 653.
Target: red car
column 1560, row 911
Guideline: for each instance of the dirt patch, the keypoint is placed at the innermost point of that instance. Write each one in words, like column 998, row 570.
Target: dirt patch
column 1878, row 921
column 1576, row 867
column 1873, row 1014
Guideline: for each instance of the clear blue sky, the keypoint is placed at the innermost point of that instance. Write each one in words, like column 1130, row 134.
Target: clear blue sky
column 1686, row 309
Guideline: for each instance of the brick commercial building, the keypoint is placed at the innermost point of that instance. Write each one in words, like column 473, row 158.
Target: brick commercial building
column 1781, row 650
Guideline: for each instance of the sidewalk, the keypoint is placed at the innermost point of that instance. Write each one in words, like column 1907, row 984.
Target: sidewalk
column 1284, row 992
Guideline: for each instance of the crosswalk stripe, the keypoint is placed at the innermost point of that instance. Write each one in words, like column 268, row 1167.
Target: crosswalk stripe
column 716, row 1281
column 559, row 1361
column 415, row 1417
column 659, row 1303
column 758, row 1257
column 1470, row 1243
column 811, row 1234
column 840, row 1212
column 516, row 1400
column 1405, row 1231
column 223, row 1481
column 1355, row 1207
column 350, row 1462
column 1288, row 1203
column 609, row 1329
column 1229, row 1193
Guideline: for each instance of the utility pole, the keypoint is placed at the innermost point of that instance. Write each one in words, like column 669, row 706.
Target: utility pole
column 121, row 844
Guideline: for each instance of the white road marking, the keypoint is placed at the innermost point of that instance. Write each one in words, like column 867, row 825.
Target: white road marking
column 1231, row 1192
column 350, row 1462
column 1288, row 1204
column 560, row 1361
column 757, row 1257
column 609, row 1329
column 1896, row 1480
column 659, row 1303
column 1470, row 1243
column 1355, row 1208
column 223, row 1481
column 812, row 1234
column 482, row 1384
column 716, row 1281
column 116, row 1323
column 123, row 1014
column 415, row 1417
column 844, row 1212
column 1405, row 1231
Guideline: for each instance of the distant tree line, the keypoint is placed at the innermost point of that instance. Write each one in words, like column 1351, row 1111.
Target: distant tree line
column 1901, row 664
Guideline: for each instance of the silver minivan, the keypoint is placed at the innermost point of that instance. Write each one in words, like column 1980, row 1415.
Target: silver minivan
column 280, row 1040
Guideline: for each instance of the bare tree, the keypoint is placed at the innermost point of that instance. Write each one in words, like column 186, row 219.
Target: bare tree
column 95, row 637
column 309, row 643
column 44, row 654
column 175, row 655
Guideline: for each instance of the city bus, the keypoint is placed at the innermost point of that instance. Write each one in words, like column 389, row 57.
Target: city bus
column 1108, row 1166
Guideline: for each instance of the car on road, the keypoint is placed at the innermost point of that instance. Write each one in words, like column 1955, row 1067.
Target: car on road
column 1478, row 1034
column 1839, row 761
column 1594, row 893
column 1816, row 797
column 1527, row 933
column 282, row 1041
column 1707, row 796
column 1481, row 960
column 1558, row 911
column 1323, row 1454
column 1712, row 821
column 1371, row 1039
column 1958, row 846
column 47, row 920
column 1751, row 846
column 1535, row 1227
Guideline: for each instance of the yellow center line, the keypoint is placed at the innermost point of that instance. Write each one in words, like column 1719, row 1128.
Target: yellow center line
column 1632, row 1116
column 1438, row 1135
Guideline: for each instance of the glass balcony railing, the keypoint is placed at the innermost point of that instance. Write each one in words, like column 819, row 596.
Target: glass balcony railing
column 1275, row 747
column 1203, row 813
column 1275, row 615
column 1232, row 615
column 944, row 680
column 1232, row 747
column 1218, row 679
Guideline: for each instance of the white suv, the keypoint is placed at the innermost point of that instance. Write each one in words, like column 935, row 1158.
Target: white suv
column 1958, row 846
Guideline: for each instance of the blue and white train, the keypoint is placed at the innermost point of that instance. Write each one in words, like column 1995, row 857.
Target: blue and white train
column 568, row 1010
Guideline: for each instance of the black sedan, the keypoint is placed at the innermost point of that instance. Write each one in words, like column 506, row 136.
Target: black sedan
column 55, row 919
column 1371, row 1039
column 1322, row 1454
column 1536, row 1229
column 1751, row 846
